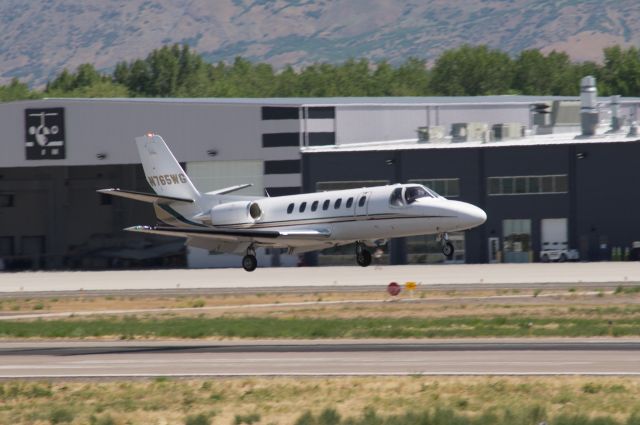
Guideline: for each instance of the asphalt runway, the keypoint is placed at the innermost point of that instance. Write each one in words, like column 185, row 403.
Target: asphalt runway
column 107, row 360
column 605, row 273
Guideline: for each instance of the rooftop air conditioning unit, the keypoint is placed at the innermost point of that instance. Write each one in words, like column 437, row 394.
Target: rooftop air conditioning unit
column 431, row 134
column 469, row 131
column 507, row 131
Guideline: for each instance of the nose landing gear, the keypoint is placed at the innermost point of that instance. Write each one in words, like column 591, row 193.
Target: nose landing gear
column 249, row 261
column 363, row 256
column 447, row 246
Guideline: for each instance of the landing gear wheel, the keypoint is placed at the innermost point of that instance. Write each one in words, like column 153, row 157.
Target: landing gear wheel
column 447, row 249
column 563, row 258
column 544, row 258
column 363, row 256
column 249, row 262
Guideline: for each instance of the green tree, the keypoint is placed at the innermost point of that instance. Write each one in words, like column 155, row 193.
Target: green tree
column 537, row 74
column 16, row 90
column 621, row 71
column 472, row 71
column 411, row 79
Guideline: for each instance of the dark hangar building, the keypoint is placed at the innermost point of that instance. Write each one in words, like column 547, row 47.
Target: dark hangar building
column 573, row 193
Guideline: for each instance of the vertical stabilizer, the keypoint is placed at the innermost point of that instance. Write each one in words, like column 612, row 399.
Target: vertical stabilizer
column 164, row 173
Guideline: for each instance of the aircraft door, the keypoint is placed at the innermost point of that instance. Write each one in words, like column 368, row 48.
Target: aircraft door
column 361, row 208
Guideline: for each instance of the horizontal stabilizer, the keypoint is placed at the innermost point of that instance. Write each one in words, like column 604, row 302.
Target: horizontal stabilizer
column 229, row 189
column 144, row 197
column 232, row 234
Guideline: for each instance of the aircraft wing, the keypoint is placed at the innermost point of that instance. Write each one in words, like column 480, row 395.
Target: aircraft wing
column 144, row 197
column 233, row 234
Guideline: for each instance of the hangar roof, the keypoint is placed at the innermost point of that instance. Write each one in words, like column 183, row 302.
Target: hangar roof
column 350, row 101
column 550, row 139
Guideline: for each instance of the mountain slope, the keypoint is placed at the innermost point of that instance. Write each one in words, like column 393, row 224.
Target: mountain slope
column 40, row 38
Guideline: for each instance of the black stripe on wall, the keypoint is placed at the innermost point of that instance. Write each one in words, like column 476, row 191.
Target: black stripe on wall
column 275, row 140
column 279, row 113
column 322, row 112
column 321, row 139
column 287, row 166
column 283, row 191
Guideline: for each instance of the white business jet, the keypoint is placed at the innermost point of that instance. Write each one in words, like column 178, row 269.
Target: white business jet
column 220, row 222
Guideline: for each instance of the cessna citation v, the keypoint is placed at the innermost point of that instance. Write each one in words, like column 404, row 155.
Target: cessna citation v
column 221, row 222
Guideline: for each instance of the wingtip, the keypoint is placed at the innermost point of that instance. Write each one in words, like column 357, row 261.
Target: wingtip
column 138, row 228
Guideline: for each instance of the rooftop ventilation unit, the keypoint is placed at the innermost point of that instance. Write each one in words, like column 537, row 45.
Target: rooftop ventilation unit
column 431, row 134
column 588, row 106
column 469, row 132
column 507, row 131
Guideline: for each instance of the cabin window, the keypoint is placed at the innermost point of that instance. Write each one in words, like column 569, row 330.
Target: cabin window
column 303, row 206
column 325, row 205
column 314, row 206
column 349, row 202
column 337, row 204
column 362, row 201
column 290, row 209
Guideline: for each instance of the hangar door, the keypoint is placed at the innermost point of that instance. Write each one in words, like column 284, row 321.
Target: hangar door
column 516, row 240
column 554, row 233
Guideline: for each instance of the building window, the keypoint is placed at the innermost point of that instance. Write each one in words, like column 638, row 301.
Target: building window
column 322, row 138
column 6, row 200
column 322, row 112
column 528, row 185
column 337, row 204
column 353, row 184
column 277, row 140
column 349, row 202
column 314, row 206
column 449, row 188
column 279, row 113
column 325, row 205
column 303, row 206
column 282, row 191
column 290, row 208
column 287, row 166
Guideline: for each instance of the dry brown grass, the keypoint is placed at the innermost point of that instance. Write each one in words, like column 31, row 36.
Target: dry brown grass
column 422, row 304
column 283, row 400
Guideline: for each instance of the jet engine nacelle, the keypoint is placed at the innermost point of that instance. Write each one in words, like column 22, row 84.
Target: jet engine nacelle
column 235, row 213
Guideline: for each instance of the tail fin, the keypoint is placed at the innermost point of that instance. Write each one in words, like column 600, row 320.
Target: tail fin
column 163, row 172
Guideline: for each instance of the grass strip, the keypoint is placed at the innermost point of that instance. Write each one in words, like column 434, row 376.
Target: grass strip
column 310, row 328
column 322, row 401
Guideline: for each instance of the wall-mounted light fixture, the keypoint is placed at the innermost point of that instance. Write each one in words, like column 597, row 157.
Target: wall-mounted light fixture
column 390, row 161
column 212, row 152
column 581, row 155
column 101, row 155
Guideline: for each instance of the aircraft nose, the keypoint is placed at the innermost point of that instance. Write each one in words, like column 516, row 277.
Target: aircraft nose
column 470, row 215
column 474, row 216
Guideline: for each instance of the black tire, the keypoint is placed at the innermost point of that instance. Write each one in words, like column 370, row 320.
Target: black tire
column 448, row 250
column 563, row 258
column 363, row 258
column 249, row 262
column 544, row 258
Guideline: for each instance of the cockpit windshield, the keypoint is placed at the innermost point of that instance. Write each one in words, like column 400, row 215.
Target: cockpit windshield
column 407, row 195
column 412, row 193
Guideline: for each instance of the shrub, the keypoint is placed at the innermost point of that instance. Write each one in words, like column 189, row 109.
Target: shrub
column 60, row 415
column 247, row 419
column 200, row 419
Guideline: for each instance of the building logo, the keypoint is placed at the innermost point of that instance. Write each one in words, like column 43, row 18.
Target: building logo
column 44, row 133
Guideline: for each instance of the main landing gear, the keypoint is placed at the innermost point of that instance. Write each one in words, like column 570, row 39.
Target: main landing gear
column 447, row 247
column 363, row 256
column 249, row 261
